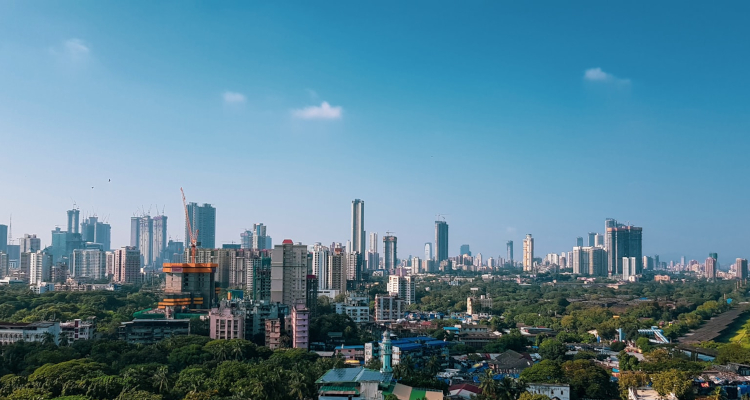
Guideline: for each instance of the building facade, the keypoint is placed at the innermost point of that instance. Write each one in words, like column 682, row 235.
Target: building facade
column 528, row 253
column 441, row 241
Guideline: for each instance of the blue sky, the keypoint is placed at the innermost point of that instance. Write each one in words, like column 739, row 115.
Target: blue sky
column 540, row 118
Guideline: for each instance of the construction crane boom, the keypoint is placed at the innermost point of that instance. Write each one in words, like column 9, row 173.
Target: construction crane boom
column 193, row 239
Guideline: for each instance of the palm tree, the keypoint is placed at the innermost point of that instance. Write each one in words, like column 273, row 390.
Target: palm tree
column 161, row 379
column 488, row 385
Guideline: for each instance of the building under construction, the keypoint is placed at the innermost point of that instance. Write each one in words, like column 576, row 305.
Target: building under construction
column 189, row 286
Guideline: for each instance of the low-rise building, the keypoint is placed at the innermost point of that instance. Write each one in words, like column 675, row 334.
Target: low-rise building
column 150, row 331
column 273, row 333
column 78, row 329
column 12, row 332
column 388, row 308
column 555, row 391
column 511, row 362
column 227, row 321
column 475, row 305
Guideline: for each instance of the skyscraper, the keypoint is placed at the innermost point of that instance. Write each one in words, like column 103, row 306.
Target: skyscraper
column 159, row 241
column 4, row 238
column 30, row 243
column 629, row 267
column 289, row 273
column 389, row 250
column 127, row 265
column 94, row 231
column 623, row 241
column 741, row 268
column 320, row 265
column 88, row 263
column 441, row 240
column 465, row 250
column 203, row 220
column 710, row 268
column 40, row 266
column 509, row 250
column 599, row 240
column 135, row 231
column 592, row 239
column 73, row 218
column 528, row 253
column 428, row 251
column 373, row 258
column 358, row 227
column 579, row 241
column 374, row 242
column 146, row 240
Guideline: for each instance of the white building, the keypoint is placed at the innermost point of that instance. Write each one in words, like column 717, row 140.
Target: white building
column 388, row 308
column 28, row 332
column 528, row 253
column 553, row 391
column 42, row 287
column 40, row 267
column 78, row 329
column 358, row 314
column 88, row 263
column 320, row 266
column 404, row 287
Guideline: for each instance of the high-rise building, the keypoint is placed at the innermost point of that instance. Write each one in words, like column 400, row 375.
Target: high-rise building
column 402, row 286
column 159, row 241
column 579, row 241
column 40, row 267
column 255, row 239
column 300, row 326
column 528, row 253
column 599, row 240
column 203, row 220
column 135, row 231
column 73, row 219
column 93, row 231
column 710, row 269
column 373, row 257
column 4, row 266
column 358, row 227
column 592, row 239
column 337, row 265
column 127, row 265
column 146, row 240
column 648, row 263
column 509, row 250
column 629, row 267
column 320, row 265
column 289, row 273
column 741, row 268
column 623, row 241
column 389, row 250
column 30, row 243
column 428, row 251
column 88, row 263
column 4, row 238
column 465, row 250
column 441, row 240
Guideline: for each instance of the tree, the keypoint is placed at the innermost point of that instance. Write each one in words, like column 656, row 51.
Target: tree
column 546, row 371
column 617, row 346
column 552, row 349
column 488, row 385
column 530, row 396
column 672, row 381
column 643, row 344
column 627, row 362
column 631, row 380
column 390, row 396
column 588, row 380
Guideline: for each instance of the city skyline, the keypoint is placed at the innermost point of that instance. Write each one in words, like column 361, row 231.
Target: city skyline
column 534, row 98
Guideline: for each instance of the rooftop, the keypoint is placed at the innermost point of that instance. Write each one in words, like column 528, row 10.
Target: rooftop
column 353, row 375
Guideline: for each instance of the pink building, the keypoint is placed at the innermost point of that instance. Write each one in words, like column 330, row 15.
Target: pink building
column 226, row 322
column 300, row 326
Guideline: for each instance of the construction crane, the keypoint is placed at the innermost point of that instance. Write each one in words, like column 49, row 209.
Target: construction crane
column 193, row 235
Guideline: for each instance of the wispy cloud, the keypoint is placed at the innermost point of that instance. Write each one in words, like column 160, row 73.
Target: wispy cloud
column 72, row 50
column 76, row 47
column 598, row 75
column 324, row 111
column 233, row 97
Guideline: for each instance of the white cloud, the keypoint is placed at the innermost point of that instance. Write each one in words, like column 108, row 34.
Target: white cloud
column 76, row 47
column 233, row 97
column 598, row 75
column 324, row 111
